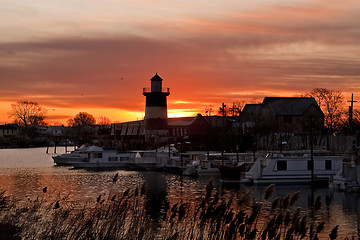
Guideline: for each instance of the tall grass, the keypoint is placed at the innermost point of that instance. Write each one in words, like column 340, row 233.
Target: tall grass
column 124, row 215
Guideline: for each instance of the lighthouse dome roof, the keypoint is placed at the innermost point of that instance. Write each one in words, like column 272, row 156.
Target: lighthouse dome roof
column 156, row 78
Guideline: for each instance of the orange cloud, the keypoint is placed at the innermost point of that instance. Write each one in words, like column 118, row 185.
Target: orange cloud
column 221, row 54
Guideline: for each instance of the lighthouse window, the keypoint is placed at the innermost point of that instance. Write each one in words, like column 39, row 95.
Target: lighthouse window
column 281, row 165
column 328, row 165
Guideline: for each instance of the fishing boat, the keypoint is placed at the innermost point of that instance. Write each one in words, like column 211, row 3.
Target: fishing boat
column 290, row 168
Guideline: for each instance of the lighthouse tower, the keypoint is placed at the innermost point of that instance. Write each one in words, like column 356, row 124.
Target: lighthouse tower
column 156, row 123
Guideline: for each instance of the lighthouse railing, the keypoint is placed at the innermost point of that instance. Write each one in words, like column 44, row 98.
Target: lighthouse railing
column 148, row 90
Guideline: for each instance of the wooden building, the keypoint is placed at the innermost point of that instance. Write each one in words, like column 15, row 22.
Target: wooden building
column 295, row 115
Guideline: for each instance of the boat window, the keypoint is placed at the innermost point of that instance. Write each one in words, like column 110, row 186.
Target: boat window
column 98, row 155
column 309, row 165
column 113, row 159
column 281, row 165
column 328, row 165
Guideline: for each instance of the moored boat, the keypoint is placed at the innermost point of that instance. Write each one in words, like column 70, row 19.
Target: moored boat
column 99, row 158
column 152, row 160
column 234, row 173
column 201, row 168
column 348, row 176
column 77, row 155
column 293, row 169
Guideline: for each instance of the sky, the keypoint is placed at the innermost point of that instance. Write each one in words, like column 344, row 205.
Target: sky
column 97, row 56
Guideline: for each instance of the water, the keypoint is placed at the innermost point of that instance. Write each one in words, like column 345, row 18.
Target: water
column 25, row 172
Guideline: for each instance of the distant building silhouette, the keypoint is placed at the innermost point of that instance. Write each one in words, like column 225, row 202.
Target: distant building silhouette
column 200, row 131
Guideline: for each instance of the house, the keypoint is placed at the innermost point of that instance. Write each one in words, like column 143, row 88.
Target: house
column 248, row 116
column 9, row 131
column 295, row 115
column 56, row 131
column 185, row 127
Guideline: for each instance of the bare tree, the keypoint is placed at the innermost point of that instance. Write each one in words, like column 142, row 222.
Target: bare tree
column 81, row 119
column 27, row 113
column 223, row 110
column 104, row 121
column 319, row 94
column 356, row 118
column 208, row 110
column 236, row 108
column 331, row 103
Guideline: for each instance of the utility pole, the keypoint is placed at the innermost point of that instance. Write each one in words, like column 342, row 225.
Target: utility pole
column 351, row 110
column 223, row 110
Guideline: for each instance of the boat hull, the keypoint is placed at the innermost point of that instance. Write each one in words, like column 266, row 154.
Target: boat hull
column 291, row 181
column 67, row 160
column 99, row 166
column 234, row 173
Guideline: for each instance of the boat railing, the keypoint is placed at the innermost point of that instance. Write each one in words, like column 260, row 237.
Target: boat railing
column 302, row 153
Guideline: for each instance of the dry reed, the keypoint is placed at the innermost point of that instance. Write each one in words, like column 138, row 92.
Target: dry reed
column 124, row 215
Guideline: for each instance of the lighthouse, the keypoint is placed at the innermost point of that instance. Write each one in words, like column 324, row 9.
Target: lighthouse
column 156, row 121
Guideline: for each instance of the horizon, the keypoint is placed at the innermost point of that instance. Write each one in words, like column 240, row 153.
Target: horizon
column 96, row 57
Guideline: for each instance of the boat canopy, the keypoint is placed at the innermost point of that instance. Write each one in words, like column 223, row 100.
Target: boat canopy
column 94, row 149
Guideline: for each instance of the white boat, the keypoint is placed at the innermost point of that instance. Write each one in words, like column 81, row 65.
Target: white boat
column 152, row 159
column 104, row 158
column 348, row 177
column 201, row 168
column 144, row 160
column 77, row 155
column 287, row 170
column 216, row 163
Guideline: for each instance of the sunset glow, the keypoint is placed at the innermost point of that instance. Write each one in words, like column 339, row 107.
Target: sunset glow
column 72, row 56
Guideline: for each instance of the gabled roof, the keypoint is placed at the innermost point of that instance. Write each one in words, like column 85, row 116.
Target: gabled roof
column 289, row 105
column 250, row 112
column 56, row 128
column 187, row 121
column 9, row 126
column 252, row 109
column 215, row 121
column 181, row 121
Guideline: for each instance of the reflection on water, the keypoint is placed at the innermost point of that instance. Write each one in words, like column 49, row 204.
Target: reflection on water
column 24, row 172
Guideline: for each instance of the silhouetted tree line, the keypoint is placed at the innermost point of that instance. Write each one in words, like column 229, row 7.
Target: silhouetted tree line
column 30, row 116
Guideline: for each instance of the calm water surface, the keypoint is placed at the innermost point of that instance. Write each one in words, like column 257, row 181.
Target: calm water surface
column 25, row 172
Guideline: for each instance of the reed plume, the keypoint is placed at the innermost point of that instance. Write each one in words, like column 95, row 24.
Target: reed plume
column 125, row 215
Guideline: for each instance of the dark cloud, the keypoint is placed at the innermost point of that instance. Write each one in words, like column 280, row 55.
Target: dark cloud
column 207, row 64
